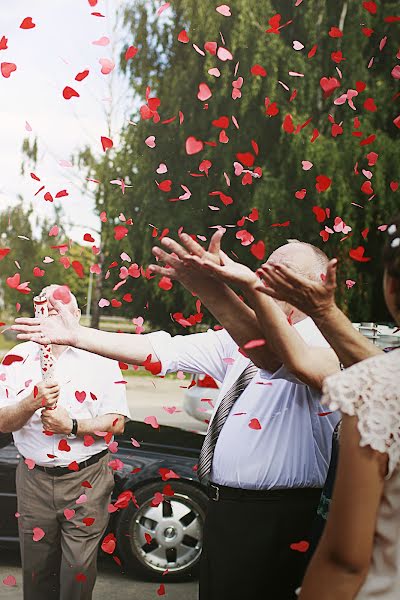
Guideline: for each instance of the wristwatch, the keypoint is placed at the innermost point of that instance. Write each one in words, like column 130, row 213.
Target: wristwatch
column 74, row 430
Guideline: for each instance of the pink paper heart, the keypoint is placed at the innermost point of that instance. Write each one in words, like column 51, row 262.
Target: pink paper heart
column 236, row 93
column 151, row 420
column 306, row 165
column 162, row 168
column 298, row 45
column 238, row 168
column 104, row 302
column 204, row 92
column 82, row 499
column 69, row 513
column 10, row 580
column 224, row 10
column 224, row 54
column 48, row 259
column 113, row 447
column 2, row 376
column 170, row 409
column 138, row 321
column 215, row 72
column 135, row 443
column 107, row 65
column 150, row 141
column 30, row 463
column 38, row 534
column 103, row 41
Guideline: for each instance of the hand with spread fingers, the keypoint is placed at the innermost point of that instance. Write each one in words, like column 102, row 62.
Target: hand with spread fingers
column 314, row 298
column 60, row 327
column 178, row 261
column 228, row 270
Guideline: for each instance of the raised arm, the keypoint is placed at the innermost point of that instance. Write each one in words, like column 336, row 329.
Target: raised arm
column 232, row 313
column 343, row 557
column 310, row 365
column 64, row 329
column 317, row 299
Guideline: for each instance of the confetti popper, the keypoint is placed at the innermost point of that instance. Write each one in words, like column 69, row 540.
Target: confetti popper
column 47, row 362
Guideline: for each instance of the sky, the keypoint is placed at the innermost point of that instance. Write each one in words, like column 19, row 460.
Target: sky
column 48, row 57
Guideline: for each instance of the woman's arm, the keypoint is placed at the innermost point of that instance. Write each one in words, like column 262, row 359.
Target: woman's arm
column 343, row 556
column 317, row 299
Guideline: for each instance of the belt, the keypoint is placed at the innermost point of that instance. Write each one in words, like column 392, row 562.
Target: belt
column 58, row 471
column 221, row 492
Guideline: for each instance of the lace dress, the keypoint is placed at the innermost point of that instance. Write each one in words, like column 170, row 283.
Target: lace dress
column 370, row 390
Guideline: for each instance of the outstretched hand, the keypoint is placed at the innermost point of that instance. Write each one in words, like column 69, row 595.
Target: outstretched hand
column 313, row 298
column 61, row 328
column 178, row 261
column 228, row 270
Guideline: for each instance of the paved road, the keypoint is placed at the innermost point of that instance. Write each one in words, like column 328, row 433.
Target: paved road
column 146, row 396
column 111, row 583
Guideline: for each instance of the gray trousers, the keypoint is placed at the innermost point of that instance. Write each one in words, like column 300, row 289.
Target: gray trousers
column 63, row 564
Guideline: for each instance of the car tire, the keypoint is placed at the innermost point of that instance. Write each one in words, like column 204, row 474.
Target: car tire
column 169, row 537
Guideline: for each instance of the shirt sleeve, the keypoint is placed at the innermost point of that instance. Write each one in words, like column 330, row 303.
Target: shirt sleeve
column 113, row 399
column 194, row 353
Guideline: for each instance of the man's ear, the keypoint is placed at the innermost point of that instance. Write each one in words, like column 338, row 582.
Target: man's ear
column 78, row 313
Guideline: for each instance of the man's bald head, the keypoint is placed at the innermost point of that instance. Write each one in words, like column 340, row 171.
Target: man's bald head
column 302, row 257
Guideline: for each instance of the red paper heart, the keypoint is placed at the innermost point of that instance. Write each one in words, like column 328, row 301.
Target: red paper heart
column 300, row 546
column 370, row 105
column 258, row 250
column 394, row 185
column 10, row 580
column 88, row 521
column 165, row 283
column 366, row 188
column 300, row 194
column 183, row 37
column 258, row 70
column 109, row 543
column 82, row 75
column 323, row 183
column 27, row 23
column 211, row 47
column 80, row 396
column 106, row 142
column 4, row 252
column 9, row 359
column 69, row 92
column 329, row 85
column 14, row 281
column 38, row 272
column 193, row 146
column 255, row 424
column 63, row 446
column 222, row 122
column 7, row 68
column 358, row 254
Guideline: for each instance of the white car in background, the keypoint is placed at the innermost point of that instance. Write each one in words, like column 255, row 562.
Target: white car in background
column 200, row 397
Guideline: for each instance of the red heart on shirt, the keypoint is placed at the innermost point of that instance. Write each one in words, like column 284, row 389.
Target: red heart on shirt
column 80, row 396
column 300, row 546
column 254, row 424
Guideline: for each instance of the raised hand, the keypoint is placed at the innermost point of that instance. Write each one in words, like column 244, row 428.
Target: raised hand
column 178, row 261
column 60, row 328
column 312, row 297
column 228, row 270
column 45, row 395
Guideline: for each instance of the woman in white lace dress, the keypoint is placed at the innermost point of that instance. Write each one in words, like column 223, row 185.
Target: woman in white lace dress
column 359, row 553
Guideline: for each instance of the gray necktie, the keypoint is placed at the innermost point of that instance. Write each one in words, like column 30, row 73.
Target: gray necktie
column 221, row 415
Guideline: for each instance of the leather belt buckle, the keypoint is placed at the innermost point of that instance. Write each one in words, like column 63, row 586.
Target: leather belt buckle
column 213, row 492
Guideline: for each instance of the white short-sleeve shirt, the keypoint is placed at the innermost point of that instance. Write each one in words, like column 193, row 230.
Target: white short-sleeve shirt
column 293, row 446
column 91, row 386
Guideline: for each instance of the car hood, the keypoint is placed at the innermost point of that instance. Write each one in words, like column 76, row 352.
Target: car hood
column 172, row 438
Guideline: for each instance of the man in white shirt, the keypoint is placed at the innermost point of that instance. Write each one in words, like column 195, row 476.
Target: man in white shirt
column 267, row 450
column 62, row 431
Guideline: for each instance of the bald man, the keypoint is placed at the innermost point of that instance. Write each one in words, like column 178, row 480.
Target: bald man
column 267, row 450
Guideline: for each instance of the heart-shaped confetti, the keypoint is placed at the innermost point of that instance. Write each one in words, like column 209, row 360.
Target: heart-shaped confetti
column 38, row 534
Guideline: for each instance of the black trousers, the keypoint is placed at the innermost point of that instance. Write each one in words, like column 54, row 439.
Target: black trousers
column 246, row 546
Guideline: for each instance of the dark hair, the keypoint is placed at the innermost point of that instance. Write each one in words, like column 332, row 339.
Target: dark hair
column 391, row 251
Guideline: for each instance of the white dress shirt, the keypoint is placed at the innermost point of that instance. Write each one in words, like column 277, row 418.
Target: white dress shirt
column 292, row 449
column 99, row 392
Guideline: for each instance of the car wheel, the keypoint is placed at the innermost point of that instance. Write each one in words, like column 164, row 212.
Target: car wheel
column 154, row 539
